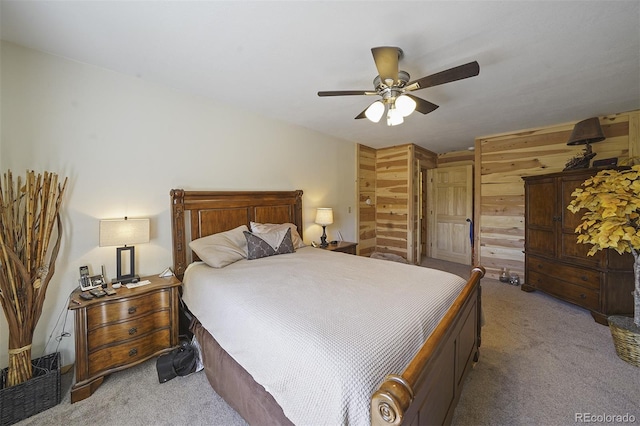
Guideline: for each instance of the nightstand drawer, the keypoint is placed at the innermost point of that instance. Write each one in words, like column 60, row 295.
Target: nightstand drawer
column 110, row 311
column 107, row 335
column 129, row 352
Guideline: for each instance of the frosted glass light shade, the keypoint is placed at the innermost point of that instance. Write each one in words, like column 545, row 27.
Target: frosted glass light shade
column 324, row 216
column 123, row 232
column 405, row 105
column 375, row 111
column 394, row 117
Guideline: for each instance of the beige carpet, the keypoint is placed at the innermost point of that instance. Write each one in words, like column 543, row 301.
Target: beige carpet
column 542, row 362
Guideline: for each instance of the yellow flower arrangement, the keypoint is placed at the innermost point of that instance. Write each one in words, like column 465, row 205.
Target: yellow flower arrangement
column 611, row 199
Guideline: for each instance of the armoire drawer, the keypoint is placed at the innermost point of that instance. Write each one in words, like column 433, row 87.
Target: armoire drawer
column 582, row 296
column 582, row 277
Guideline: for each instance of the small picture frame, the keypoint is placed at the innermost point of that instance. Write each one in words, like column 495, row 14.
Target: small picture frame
column 97, row 280
column 89, row 283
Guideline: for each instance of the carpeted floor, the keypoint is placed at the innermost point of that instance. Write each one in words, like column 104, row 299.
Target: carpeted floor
column 542, row 362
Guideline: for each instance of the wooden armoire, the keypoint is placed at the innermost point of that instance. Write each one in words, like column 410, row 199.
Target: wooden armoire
column 557, row 264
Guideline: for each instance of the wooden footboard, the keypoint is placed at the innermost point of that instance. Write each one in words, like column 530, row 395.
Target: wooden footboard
column 429, row 388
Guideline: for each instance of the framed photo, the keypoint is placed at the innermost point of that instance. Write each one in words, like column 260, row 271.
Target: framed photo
column 89, row 283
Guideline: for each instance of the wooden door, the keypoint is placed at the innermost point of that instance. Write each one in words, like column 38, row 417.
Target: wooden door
column 569, row 249
column 541, row 218
column 452, row 210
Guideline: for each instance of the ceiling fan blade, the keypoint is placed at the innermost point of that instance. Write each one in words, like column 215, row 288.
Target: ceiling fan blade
column 453, row 74
column 386, row 58
column 376, row 113
column 425, row 107
column 346, row 92
column 362, row 114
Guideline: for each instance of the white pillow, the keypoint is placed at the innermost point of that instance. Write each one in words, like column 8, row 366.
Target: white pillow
column 261, row 228
column 221, row 249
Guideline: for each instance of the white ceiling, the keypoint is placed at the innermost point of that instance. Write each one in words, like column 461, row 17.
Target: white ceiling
column 541, row 62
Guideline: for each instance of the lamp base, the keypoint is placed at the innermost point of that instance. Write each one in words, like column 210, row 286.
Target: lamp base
column 323, row 238
column 126, row 280
column 581, row 161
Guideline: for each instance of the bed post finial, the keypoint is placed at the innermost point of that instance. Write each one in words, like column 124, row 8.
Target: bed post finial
column 390, row 401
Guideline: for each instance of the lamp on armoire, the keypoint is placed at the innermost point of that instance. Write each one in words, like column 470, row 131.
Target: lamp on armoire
column 324, row 217
column 585, row 132
column 124, row 233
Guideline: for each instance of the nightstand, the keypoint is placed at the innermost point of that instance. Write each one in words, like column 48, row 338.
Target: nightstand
column 342, row 247
column 117, row 332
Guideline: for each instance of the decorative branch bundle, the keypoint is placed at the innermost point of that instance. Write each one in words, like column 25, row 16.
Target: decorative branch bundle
column 29, row 211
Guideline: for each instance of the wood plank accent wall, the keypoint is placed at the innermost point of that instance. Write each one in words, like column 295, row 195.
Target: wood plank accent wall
column 499, row 190
column 393, row 171
column 390, row 177
column 366, row 190
column 456, row 158
column 424, row 160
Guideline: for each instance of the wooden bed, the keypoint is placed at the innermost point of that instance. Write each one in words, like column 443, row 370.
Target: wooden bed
column 426, row 392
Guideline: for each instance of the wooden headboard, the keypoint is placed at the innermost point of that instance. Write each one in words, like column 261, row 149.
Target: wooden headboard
column 196, row 214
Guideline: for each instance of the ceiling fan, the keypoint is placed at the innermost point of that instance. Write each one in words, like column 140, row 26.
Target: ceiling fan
column 393, row 85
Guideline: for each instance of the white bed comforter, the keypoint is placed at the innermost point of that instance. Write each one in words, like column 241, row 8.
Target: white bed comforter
column 320, row 330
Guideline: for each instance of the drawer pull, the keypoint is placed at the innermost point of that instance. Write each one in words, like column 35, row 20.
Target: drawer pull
column 133, row 352
column 133, row 309
column 132, row 331
column 584, row 278
column 583, row 296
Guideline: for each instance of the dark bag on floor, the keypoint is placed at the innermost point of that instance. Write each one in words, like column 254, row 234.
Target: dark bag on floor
column 179, row 362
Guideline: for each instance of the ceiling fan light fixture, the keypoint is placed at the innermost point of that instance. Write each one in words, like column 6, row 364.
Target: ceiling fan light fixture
column 375, row 111
column 394, row 117
column 393, row 85
column 405, row 105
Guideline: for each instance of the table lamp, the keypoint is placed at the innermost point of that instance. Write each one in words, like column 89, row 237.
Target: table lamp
column 585, row 133
column 124, row 233
column 324, row 217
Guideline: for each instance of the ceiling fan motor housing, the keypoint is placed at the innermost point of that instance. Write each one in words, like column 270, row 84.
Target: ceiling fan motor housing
column 403, row 79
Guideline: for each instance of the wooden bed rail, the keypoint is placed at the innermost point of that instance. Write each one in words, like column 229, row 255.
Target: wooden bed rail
column 389, row 404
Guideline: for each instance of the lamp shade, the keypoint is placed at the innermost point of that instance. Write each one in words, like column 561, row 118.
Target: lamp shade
column 122, row 232
column 405, row 105
column 586, row 131
column 394, row 116
column 324, row 216
column 375, row 111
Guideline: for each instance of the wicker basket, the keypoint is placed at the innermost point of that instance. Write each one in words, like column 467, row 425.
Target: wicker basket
column 33, row 396
column 625, row 339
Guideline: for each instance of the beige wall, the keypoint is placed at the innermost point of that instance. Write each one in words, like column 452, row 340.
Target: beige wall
column 124, row 143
